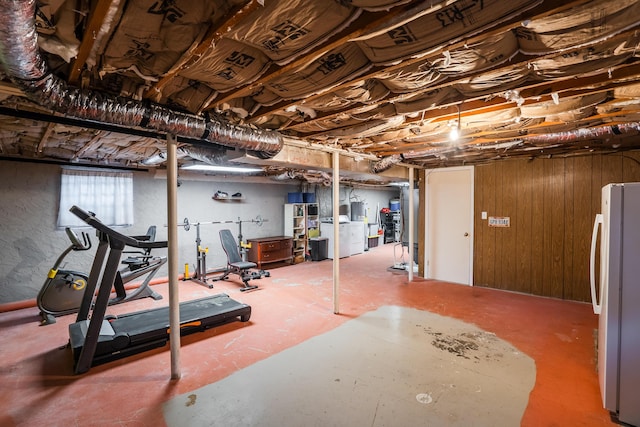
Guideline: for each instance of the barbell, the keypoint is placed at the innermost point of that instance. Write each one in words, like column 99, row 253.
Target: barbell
column 186, row 224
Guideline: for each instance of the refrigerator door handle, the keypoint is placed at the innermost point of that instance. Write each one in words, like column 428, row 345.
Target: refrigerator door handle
column 597, row 308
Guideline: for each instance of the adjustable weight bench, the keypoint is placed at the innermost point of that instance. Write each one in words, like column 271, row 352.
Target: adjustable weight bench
column 235, row 264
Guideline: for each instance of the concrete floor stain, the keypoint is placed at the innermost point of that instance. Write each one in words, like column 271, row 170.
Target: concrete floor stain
column 191, row 401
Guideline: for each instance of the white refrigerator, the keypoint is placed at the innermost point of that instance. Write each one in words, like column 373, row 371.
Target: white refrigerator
column 616, row 299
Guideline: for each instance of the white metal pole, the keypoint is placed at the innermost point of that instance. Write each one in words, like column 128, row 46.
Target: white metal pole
column 336, row 232
column 172, row 218
column 411, row 223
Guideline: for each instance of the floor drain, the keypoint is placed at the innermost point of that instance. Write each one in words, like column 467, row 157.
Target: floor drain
column 424, row 398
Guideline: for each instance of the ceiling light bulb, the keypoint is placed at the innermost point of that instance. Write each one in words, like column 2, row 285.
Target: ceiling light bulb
column 454, row 134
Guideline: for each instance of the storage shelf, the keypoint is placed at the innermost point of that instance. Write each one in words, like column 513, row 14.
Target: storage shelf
column 228, row 199
column 300, row 226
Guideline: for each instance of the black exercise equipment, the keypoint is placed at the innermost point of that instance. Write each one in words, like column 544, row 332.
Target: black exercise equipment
column 235, row 263
column 96, row 339
column 63, row 290
column 200, row 275
column 258, row 220
column 201, row 271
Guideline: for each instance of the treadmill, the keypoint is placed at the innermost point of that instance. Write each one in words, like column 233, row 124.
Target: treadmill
column 98, row 339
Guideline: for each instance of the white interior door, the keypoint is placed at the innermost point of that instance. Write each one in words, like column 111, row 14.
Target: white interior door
column 450, row 224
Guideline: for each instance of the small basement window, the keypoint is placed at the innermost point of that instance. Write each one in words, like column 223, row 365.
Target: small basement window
column 107, row 193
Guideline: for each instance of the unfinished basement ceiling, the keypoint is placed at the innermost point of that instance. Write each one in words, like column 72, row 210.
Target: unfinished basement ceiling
column 383, row 80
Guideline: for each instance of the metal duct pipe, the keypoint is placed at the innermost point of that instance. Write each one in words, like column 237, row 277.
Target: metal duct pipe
column 386, row 163
column 211, row 156
column 589, row 133
column 204, row 154
column 23, row 64
column 551, row 139
column 430, row 152
column 287, row 176
column 311, row 177
column 156, row 159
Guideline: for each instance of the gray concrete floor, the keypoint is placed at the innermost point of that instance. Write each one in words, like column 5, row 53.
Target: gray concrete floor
column 393, row 366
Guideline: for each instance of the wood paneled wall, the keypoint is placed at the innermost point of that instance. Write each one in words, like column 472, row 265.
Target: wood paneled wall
column 551, row 204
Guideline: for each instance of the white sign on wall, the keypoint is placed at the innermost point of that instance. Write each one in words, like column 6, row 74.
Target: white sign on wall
column 499, row 221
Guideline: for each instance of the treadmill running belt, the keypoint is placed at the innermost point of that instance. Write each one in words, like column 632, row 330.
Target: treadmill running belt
column 207, row 311
column 141, row 331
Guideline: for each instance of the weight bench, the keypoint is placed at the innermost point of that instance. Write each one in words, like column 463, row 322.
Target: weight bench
column 235, row 264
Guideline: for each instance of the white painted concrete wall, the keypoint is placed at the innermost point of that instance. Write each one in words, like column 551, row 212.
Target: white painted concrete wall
column 30, row 241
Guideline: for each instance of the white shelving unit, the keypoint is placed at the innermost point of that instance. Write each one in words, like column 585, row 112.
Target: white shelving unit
column 301, row 222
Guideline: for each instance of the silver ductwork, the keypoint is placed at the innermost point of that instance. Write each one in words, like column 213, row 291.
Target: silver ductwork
column 204, row 154
column 585, row 134
column 209, row 155
column 156, row 159
column 537, row 141
column 312, row 177
column 23, row 64
column 386, row 163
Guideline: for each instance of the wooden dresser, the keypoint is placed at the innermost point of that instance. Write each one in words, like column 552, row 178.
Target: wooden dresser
column 264, row 250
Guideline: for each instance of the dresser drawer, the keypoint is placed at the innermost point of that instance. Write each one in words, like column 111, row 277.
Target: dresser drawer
column 276, row 254
column 270, row 246
column 276, row 245
column 270, row 249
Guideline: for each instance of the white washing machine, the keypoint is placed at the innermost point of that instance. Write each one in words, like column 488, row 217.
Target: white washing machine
column 326, row 230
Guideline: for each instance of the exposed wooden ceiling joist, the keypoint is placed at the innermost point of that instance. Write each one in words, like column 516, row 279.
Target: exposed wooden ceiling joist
column 544, row 10
column 609, row 78
column 213, row 35
column 98, row 15
column 45, row 138
column 292, row 66
column 173, row 53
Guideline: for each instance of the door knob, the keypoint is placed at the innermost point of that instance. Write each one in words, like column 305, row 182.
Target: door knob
column 466, row 234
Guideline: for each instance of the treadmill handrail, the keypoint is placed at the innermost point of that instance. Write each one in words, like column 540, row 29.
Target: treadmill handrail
column 94, row 222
